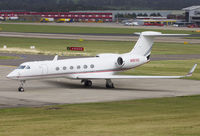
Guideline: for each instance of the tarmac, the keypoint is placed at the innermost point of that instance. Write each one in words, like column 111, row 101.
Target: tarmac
column 98, row 37
column 109, row 25
column 64, row 91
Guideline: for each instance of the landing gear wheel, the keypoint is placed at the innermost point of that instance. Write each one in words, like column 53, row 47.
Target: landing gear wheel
column 21, row 89
column 109, row 84
column 87, row 83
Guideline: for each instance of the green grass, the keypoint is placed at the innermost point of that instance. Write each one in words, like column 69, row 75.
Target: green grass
column 75, row 29
column 192, row 37
column 8, row 57
column 177, row 116
column 170, row 67
column 58, row 46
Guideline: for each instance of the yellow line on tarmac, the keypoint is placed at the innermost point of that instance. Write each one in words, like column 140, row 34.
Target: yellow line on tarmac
column 7, row 66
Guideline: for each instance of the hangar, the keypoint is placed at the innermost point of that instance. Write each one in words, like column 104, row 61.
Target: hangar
column 192, row 14
column 75, row 16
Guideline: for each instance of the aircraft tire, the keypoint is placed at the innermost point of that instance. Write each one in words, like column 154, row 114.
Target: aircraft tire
column 111, row 85
column 21, row 89
column 88, row 83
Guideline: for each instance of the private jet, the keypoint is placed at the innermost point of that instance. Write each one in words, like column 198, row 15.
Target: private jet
column 102, row 66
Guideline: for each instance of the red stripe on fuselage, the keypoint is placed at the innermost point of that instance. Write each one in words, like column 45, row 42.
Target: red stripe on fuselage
column 71, row 73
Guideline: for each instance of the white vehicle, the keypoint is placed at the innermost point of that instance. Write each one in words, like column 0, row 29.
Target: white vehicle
column 131, row 23
column 13, row 18
column 103, row 66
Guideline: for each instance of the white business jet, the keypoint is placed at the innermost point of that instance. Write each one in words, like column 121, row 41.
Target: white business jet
column 103, row 66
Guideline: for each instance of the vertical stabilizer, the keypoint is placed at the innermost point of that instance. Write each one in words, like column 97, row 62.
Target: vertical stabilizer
column 145, row 42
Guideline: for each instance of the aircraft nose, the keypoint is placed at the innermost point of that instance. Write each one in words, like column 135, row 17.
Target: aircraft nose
column 9, row 75
column 12, row 75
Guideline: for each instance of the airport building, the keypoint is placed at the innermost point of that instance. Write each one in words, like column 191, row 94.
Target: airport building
column 155, row 22
column 73, row 16
column 192, row 14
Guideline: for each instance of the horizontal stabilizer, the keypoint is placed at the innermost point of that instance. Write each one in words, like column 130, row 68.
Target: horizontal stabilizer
column 145, row 42
column 159, row 34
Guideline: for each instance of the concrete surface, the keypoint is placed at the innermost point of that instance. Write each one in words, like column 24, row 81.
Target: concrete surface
column 64, row 91
column 111, row 25
column 104, row 37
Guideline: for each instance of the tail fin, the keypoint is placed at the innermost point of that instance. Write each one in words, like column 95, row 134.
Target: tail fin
column 144, row 44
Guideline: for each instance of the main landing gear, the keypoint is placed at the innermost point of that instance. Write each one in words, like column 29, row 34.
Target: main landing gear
column 88, row 83
column 21, row 88
column 109, row 84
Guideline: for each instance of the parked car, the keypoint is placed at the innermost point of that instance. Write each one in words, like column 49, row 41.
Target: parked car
column 131, row 24
column 153, row 24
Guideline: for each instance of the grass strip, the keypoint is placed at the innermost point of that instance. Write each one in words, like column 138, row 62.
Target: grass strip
column 177, row 116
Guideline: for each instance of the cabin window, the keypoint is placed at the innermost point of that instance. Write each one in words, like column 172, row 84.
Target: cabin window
column 57, row 68
column 71, row 67
column 92, row 66
column 78, row 67
column 28, row 67
column 21, row 67
column 64, row 68
column 85, row 66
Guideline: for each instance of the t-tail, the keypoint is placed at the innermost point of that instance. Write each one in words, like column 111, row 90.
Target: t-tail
column 145, row 42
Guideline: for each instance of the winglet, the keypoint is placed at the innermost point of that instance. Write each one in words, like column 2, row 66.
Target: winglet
column 192, row 70
column 55, row 58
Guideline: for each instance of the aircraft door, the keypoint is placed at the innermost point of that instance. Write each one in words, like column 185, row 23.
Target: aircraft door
column 44, row 69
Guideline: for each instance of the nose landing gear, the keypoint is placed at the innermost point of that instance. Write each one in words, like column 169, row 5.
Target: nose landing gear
column 21, row 88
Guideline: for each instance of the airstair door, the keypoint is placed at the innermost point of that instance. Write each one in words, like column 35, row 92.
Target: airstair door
column 44, row 69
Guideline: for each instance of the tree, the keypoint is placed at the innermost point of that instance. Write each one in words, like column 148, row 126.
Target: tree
column 66, row 5
column 145, row 15
column 159, row 15
column 153, row 14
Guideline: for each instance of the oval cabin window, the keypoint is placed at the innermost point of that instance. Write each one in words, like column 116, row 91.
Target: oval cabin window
column 64, row 68
column 78, row 67
column 91, row 66
column 57, row 68
column 71, row 67
column 85, row 66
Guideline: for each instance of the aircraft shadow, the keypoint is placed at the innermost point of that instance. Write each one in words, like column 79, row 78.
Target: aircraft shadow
column 80, row 86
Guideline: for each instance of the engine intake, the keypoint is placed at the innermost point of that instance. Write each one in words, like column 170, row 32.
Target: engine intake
column 120, row 62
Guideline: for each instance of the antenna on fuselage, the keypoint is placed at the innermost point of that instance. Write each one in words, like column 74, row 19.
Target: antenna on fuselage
column 55, row 58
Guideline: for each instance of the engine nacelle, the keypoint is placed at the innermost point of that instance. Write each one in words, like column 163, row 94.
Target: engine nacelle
column 119, row 62
column 135, row 61
column 130, row 61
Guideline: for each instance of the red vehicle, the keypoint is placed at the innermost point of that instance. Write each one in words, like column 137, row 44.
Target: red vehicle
column 153, row 24
column 193, row 26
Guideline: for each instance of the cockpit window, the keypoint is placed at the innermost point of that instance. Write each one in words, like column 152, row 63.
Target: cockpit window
column 21, row 67
column 28, row 67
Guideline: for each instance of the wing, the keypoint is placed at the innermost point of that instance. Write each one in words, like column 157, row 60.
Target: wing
column 133, row 77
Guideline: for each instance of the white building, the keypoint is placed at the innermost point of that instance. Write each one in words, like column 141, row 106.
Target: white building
column 192, row 14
